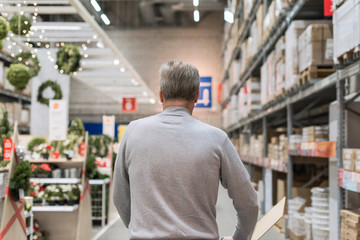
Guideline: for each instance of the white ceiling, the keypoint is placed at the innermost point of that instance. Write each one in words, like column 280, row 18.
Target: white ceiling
column 103, row 65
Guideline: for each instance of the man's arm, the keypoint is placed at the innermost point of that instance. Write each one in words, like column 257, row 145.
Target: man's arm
column 236, row 180
column 121, row 183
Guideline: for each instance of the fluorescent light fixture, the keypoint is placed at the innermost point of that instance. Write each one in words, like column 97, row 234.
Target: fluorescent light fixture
column 54, row 27
column 228, row 16
column 95, row 5
column 105, row 19
column 196, row 3
column 196, row 16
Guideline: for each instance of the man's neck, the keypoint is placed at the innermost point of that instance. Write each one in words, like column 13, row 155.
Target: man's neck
column 189, row 105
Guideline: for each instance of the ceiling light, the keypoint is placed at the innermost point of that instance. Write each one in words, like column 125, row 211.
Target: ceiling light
column 105, row 19
column 116, row 62
column 100, row 45
column 196, row 16
column 196, row 3
column 95, row 5
column 122, row 69
column 228, row 16
column 152, row 101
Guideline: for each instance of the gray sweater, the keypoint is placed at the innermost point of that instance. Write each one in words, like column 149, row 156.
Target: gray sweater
column 166, row 179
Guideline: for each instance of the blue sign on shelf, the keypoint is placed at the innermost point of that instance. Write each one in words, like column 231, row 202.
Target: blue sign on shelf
column 205, row 98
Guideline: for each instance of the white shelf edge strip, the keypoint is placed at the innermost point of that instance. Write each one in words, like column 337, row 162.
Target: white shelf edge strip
column 56, row 180
column 54, row 208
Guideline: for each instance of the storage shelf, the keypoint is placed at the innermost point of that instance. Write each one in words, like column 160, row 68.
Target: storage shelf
column 55, row 208
column 13, row 96
column 278, row 29
column 236, row 14
column 99, row 181
column 76, row 161
column 274, row 164
column 5, row 58
column 56, row 180
column 349, row 180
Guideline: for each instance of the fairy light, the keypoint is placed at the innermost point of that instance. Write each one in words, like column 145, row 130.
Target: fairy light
column 21, row 12
column 43, row 30
column 57, row 44
column 88, row 41
column 47, row 45
column 62, row 44
column 86, row 56
column 38, row 44
column 30, row 45
column 48, row 52
column 12, row 55
column 35, row 50
column 20, row 58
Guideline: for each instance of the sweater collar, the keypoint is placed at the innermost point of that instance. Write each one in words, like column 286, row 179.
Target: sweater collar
column 177, row 110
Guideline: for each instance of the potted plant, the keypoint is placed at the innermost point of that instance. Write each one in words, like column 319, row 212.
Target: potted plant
column 76, row 193
column 51, row 194
column 42, row 170
column 21, row 180
column 38, row 193
column 46, row 152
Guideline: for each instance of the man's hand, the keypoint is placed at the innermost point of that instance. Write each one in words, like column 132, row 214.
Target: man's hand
column 227, row 238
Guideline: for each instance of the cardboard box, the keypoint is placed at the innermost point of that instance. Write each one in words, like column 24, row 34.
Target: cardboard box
column 349, row 159
column 271, row 76
column 346, row 28
column 357, row 160
column 353, row 215
column 259, row 24
column 254, row 98
column 314, row 46
column 264, row 84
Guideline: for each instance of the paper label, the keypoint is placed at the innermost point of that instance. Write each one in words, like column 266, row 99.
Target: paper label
column 58, row 120
column 109, row 125
column 1, row 178
column 329, row 53
column 21, row 195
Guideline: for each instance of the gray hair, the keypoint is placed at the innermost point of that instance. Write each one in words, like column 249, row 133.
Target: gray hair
column 179, row 81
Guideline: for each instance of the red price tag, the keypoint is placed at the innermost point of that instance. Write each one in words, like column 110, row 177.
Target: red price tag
column 8, row 147
column 82, row 149
column 56, row 155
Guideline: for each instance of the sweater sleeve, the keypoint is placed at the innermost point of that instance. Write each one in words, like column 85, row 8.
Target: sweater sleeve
column 236, row 180
column 121, row 196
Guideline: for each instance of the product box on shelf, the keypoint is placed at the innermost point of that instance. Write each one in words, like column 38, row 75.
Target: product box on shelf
column 269, row 20
column 259, row 24
column 264, row 83
column 349, row 159
column 253, row 92
column 271, row 76
column 350, row 224
column 253, row 41
column 357, row 160
column 244, row 55
column 247, row 8
column 346, row 29
column 315, row 46
column 243, row 111
column 280, row 6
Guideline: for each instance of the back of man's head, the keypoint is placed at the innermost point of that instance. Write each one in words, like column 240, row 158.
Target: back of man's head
column 179, row 81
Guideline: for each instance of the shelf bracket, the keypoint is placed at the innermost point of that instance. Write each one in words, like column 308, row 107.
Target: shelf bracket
column 314, row 179
column 349, row 101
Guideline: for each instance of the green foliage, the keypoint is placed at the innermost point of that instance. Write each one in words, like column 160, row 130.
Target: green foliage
column 1, row 44
column 35, row 142
column 54, row 86
column 18, row 75
column 68, row 59
column 4, row 164
column 77, row 127
column 91, row 169
column 6, row 129
column 4, row 28
column 25, row 24
column 99, row 145
column 21, row 179
column 114, row 160
column 30, row 60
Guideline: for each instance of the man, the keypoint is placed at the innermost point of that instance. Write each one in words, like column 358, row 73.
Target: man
column 167, row 171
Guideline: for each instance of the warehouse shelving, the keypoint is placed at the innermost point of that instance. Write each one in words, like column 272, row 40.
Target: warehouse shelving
column 349, row 180
column 286, row 111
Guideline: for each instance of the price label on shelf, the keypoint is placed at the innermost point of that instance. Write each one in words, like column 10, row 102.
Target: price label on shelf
column 82, row 149
column 8, row 147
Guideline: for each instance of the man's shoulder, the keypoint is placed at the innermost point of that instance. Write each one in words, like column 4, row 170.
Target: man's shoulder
column 214, row 131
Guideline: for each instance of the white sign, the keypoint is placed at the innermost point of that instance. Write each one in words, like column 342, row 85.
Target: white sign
column 58, row 120
column 109, row 126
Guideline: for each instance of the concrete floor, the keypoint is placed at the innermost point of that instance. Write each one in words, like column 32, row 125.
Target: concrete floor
column 226, row 218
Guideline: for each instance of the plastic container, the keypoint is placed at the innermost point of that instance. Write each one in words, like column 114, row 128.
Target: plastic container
column 299, row 228
column 320, row 212
column 308, row 229
column 319, row 192
column 320, row 206
column 320, row 233
column 320, row 200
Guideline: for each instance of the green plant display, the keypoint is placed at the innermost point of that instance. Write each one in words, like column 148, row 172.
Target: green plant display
column 1, row 44
column 91, row 169
column 25, row 24
column 21, row 179
column 4, row 164
column 68, row 59
column 35, row 142
column 30, row 60
column 99, row 145
column 4, row 28
column 77, row 127
column 18, row 75
column 54, row 86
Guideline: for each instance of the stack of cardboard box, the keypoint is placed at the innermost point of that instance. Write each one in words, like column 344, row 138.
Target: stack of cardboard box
column 350, row 224
column 351, row 159
column 253, row 95
column 315, row 133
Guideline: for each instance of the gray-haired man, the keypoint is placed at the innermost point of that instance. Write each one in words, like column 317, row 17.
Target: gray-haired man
column 167, row 172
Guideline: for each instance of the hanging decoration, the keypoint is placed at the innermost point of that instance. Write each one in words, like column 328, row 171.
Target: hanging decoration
column 30, row 60
column 68, row 59
column 18, row 75
column 25, row 24
column 4, row 28
column 49, row 84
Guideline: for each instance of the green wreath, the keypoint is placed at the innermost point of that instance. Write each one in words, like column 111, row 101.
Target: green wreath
column 68, row 59
column 35, row 142
column 30, row 60
column 25, row 24
column 54, row 86
column 4, row 28
column 18, row 75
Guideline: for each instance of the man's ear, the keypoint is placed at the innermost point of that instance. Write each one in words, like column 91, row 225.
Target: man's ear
column 197, row 97
column 161, row 96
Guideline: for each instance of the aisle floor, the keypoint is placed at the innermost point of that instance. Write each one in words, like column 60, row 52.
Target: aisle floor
column 226, row 218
